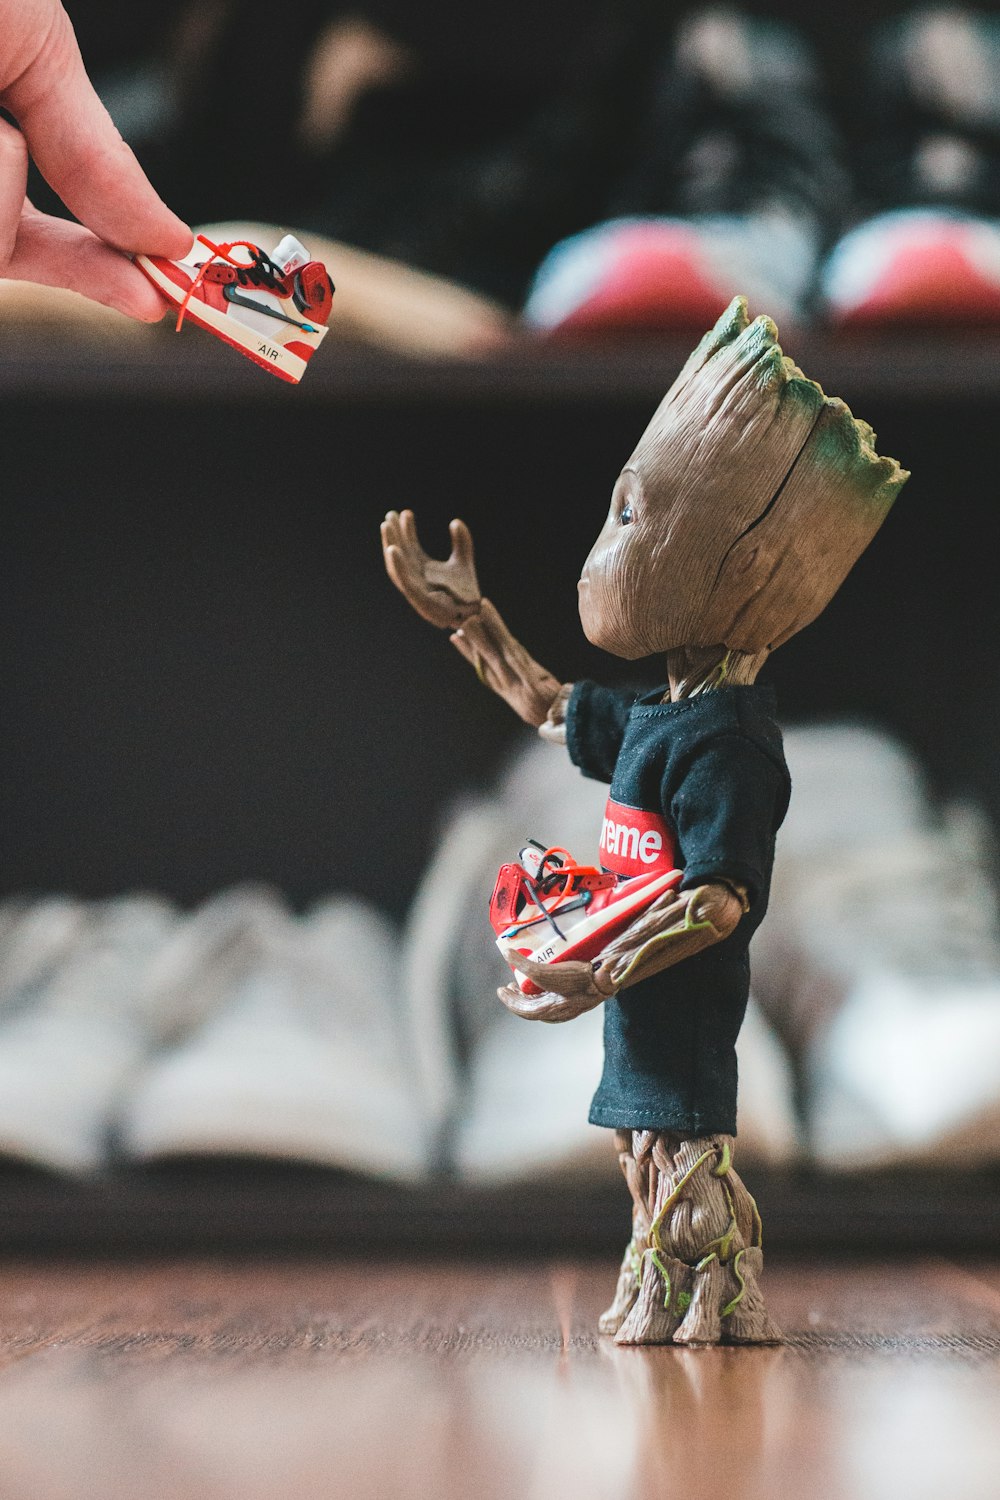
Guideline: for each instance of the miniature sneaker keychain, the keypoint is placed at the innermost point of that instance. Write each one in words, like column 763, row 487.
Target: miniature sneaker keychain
column 273, row 308
column 592, row 906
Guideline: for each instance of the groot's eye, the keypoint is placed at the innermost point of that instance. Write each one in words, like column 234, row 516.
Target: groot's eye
column 625, row 518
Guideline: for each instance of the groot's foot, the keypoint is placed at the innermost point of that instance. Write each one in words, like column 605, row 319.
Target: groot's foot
column 625, row 1292
column 660, row 1307
column 698, row 1280
column 750, row 1322
column 711, row 1303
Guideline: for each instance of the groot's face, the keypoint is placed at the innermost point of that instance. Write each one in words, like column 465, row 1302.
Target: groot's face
column 616, row 586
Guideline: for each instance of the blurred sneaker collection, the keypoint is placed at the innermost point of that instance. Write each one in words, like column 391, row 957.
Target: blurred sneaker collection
column 672, row 157
column 681, row 155
column 926, row 246
column 735, row 181
column 741, row 180
column 132, row 1032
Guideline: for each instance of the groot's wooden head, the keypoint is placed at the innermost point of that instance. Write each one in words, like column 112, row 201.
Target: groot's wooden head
column 747, row 501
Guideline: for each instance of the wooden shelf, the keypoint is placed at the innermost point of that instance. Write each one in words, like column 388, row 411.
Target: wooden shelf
column 958, row 368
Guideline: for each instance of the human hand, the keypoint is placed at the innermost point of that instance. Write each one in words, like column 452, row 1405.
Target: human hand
column 444, row 593
column 69, row 135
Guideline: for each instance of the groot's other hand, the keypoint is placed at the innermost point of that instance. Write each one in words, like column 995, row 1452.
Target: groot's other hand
column 570, row 989
column 445, row 593
column 677, row 926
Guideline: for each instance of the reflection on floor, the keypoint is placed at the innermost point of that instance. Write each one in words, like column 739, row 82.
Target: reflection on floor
column 269, row 1381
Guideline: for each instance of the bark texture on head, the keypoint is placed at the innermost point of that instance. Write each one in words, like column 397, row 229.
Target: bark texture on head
column 747, row 500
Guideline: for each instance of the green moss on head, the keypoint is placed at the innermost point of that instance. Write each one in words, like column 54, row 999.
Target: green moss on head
column 726, row 330
column 847, row 444
column 732, row 322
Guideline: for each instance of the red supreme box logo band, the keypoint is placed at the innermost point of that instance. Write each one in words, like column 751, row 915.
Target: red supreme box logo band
column 636, row 842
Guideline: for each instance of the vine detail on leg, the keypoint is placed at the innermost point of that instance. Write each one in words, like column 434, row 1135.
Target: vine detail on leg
column 691, row 1271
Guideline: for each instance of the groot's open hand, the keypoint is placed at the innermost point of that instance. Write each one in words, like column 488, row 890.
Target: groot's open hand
column 447, row 594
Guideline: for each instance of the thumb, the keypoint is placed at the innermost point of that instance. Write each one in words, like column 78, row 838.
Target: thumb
column 81, row 155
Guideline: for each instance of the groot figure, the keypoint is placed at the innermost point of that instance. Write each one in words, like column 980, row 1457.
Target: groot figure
column 749, row 497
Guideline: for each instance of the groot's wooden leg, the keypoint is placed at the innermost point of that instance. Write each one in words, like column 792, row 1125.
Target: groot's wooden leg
column 690, row 1274
column 626, row 1290
column 628, row 1276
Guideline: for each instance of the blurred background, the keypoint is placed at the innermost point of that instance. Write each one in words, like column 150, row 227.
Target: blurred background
column 252, row 808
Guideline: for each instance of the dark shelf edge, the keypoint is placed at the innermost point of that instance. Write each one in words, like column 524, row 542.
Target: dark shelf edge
column 963, row 367
column 267, row 1208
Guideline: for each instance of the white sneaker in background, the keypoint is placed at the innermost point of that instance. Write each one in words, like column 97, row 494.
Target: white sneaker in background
column 880, row 958
column 520, row 1092
column 208, row 955
column 514, row 1103
column 854, row 791
column 525, row 1112
column 307, row 1061
column 64, row 1059
column 36, row 934
column 440, row 909
column 95, row 987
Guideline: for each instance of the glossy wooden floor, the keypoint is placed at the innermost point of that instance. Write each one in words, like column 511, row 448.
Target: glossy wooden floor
column 200, row 1381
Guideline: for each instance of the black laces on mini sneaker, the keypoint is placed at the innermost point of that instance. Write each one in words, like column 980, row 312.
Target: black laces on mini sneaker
column 261, row 272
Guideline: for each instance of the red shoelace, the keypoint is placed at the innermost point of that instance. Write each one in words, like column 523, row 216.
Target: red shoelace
column 259, row 269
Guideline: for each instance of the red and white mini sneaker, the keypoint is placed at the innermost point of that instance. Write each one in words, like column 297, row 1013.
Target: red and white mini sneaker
column 553, row 910
column 273, row 308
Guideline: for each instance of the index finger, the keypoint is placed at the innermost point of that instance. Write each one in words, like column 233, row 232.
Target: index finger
column 80, row 153
column 13, row 185
column 389, row 530
column 399, row 571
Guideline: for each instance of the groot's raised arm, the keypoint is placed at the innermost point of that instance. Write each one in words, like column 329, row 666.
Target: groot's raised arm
column 447, row 594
